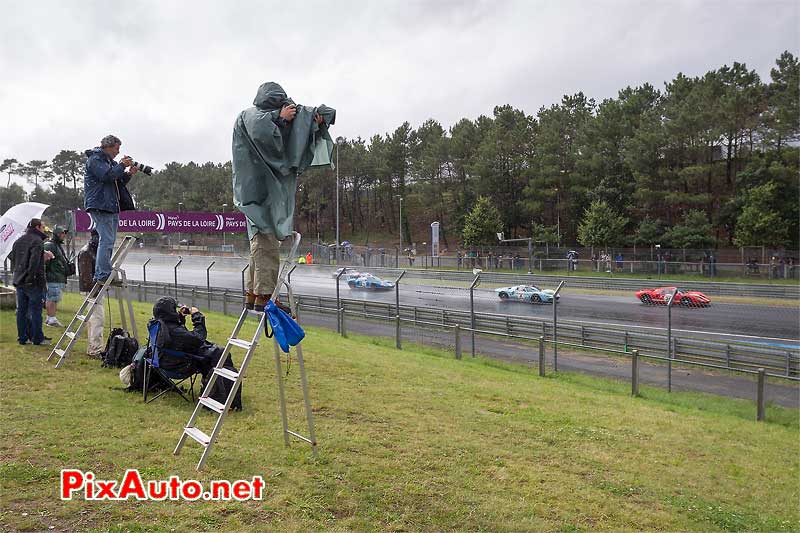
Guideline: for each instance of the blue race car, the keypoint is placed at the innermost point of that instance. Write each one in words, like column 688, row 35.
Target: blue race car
column 370, row 282
column 526, row 293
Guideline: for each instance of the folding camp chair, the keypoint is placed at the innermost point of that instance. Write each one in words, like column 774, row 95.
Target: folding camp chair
column 171, row 379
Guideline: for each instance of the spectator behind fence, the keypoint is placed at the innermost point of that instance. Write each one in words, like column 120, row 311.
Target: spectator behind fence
column 86, row 264
column 28, row 258
column 57, row 271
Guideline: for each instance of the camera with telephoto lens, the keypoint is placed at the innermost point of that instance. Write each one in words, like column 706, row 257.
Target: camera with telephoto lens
column 143, row 168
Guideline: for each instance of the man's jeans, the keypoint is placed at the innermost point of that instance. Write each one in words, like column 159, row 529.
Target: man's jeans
column 106, row 225
column 29, row 315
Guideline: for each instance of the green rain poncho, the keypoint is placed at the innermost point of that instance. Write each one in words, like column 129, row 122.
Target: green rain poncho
column 266, row 165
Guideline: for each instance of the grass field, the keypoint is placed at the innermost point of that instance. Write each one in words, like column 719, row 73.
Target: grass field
column 410, row 440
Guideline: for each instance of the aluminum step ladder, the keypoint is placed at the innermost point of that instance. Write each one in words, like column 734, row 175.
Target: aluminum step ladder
column 206, row 440
column 116, row 280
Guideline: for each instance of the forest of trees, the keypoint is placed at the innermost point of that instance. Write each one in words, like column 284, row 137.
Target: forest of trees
column 706, row 161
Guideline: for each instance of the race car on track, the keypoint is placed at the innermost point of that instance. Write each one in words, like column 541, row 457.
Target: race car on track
column 348, row 273
column 662, row 295
column 526, row 293
column 370, row 282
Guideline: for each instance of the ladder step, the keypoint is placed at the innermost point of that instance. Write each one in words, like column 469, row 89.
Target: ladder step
column 212, row 404
column 82, row 318
column 227, row 374
column 198, row 435
column 240, row 343
column 70, row 334
column 91, row 300
column 59, row 352
column 257, row 314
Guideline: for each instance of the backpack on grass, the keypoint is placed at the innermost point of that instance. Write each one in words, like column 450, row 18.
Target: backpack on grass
column 120, row 349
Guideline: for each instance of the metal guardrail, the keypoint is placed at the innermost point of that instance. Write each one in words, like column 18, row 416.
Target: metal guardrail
column 741, row 356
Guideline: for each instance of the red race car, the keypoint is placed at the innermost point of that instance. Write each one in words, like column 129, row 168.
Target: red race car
column 662, row 296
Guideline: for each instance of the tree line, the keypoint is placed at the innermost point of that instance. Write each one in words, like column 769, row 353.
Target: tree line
column 708, row 160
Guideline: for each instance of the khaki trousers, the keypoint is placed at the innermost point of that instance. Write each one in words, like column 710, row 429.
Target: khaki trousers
column 94, row 328
column 264, row 264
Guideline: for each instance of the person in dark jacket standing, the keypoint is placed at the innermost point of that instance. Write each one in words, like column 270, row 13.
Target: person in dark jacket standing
column 86, row 261
column 28, row 258
column 101, row 196
column 56, row 271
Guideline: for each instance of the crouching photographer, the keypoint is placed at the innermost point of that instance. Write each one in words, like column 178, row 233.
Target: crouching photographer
column 203, row 355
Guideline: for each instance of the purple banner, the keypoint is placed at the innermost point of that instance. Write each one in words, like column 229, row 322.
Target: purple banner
column 170, row 222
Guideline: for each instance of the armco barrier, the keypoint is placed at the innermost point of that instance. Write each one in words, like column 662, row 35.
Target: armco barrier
column 778, row 362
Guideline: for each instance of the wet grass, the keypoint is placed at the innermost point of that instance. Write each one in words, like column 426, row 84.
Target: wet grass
column 410, row 440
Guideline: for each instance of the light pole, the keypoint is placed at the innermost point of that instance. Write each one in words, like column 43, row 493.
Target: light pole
column 339, row 141
column 180, row 206
column 558, row 217
column 223, row 225
column 401, row 223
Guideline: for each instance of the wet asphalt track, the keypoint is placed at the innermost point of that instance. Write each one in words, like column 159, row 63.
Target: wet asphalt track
column 746, row 322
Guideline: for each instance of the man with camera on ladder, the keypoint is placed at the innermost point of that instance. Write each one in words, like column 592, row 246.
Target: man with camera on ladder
column 102, row 182
column 273, row 142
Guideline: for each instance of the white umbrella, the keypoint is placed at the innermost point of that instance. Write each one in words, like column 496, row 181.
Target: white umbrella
column 14, row 223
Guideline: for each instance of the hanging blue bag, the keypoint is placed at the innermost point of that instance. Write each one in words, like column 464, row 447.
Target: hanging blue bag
column 286, row 331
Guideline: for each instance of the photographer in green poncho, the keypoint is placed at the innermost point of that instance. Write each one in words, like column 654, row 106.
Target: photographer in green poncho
column 273, row 143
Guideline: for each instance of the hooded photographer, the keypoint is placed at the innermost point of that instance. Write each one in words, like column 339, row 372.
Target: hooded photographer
column 273, row 143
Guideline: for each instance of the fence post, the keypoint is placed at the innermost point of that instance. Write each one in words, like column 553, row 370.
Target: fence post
column 541, row 356
column 555, row 326
column 625, row 342
column 344, row 330
column 175, row 271
column 669, row 339
column 472, row 310
column 788, row 355
column 397, row 341
column 635, row 373
column 760, row 413
column 338, row 302
column 244, row 291
column 225, row 302
column 208, row 282
column 458, row 341
column 144, row 276
column 728, row 355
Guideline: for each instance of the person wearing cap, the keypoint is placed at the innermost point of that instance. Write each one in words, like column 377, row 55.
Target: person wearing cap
column 56, row 272
column 28, row 258
column 86, row 263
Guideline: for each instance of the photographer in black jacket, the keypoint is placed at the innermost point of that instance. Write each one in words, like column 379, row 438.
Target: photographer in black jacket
column 176, row 336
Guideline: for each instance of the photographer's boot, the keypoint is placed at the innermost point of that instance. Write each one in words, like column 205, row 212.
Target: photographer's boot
column 260, row 301
column 249, row 300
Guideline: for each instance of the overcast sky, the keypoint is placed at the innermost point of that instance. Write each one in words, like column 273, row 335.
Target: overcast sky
column 169, row 77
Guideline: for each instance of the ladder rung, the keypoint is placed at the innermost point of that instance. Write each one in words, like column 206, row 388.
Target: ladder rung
column 70, row 334
column 59, row 352
column 240, row 343
column 82, row 318
column 198, row 435
column 212, row 404
column 227, row 374
column 91, row 300
column 257, row 314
